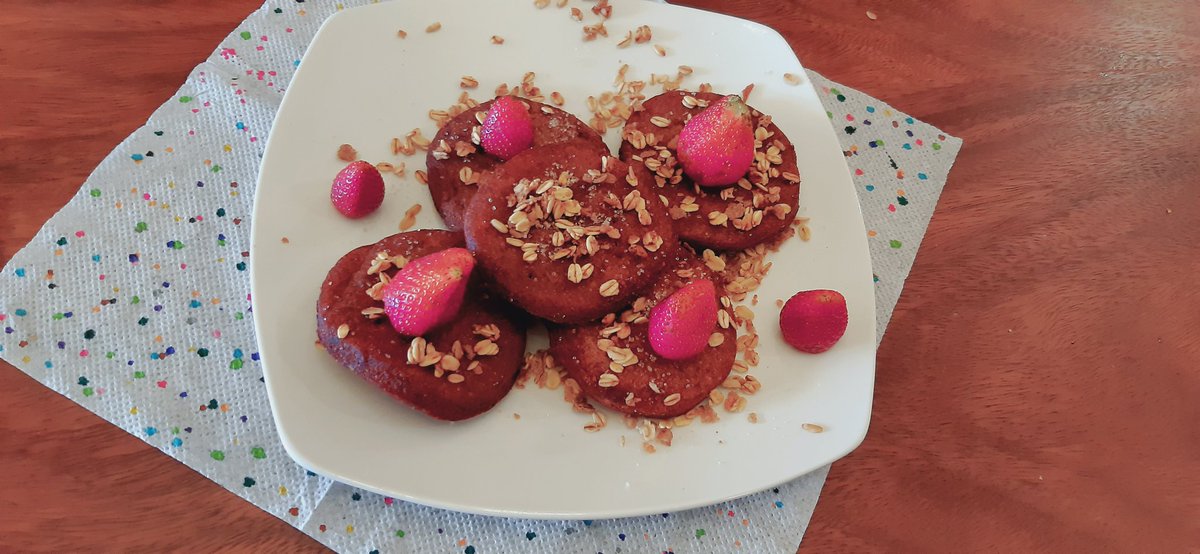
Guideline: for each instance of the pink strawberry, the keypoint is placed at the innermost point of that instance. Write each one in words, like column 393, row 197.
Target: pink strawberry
column 814, row 320
column 357, row 190
column 681, row 324
column 428, row 291
column 508, row 129
column 716, row 147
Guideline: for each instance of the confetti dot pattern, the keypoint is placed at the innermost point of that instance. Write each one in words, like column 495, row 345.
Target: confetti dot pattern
column 134, row 302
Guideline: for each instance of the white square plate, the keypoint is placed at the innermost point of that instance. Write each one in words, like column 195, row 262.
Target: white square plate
column 361, row 84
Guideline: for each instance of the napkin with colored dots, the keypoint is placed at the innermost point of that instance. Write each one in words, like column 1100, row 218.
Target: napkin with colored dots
column 134, row 302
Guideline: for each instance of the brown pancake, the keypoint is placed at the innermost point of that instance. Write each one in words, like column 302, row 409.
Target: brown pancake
column 540, row 258
column 445, row 166
column 378, row 354
column 579, row 350
column 771, row 197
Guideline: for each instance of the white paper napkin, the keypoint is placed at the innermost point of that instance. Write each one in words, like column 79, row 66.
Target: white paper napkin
column 134, row 302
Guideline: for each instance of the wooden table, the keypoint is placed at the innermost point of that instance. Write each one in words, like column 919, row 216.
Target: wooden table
column 1037, row 388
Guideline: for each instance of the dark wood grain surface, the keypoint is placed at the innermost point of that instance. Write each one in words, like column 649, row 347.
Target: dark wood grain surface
column 1038, row 385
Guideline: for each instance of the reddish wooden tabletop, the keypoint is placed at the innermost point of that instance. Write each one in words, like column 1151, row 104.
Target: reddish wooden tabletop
column 1038, row 385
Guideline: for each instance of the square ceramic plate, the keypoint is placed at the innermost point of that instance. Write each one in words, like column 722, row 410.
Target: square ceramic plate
column 361, row 84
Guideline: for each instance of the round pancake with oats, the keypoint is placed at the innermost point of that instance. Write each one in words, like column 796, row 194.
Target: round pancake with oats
column 454, row 372
column 754, row 210
column 614, row 364
column 567, row 233
column 455, row 160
